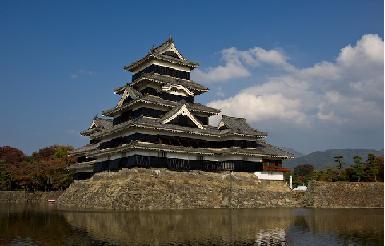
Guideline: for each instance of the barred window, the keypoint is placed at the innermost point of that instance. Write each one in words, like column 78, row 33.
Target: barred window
column 162, row 154
column 228, row 166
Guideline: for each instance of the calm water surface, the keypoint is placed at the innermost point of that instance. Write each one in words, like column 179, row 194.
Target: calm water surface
column 49, row 226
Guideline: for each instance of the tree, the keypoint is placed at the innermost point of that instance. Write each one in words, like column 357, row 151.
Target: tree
column 372, row 167
column 339, row 160
column 358, row 168
column 379, row 162
column 340, row 163
column 11, row 155
column 303, row 173
column 10, row 160
column 52, row 163
column 370, row 170
column 45, row 169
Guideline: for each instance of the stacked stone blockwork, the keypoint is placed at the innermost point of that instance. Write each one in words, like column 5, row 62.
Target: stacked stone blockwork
column 157, row 123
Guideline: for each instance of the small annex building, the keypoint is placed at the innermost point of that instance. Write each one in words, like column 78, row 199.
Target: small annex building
column 157, row 123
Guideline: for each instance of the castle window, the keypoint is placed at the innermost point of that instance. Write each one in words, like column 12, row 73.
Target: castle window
column 162, row 154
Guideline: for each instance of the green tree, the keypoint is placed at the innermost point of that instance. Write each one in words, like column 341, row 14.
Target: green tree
column 379, row 162
column 302, row 174
column 372, row 169
column 340, row 164
column 340, row 161
column 358, row 168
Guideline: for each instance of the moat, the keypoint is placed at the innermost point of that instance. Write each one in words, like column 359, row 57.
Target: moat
column 23, row 225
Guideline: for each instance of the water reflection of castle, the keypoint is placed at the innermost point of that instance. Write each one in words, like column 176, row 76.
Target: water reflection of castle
column 192, row 227
column 230, row 227
column 275, row 236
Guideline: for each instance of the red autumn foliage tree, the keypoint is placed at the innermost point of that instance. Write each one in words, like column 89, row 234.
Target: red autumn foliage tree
column 43, row 170
column 11, row 155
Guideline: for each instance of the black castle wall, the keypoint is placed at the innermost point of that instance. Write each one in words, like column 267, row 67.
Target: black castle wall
column 178, row 141
column 162, row 71
column 172, row 164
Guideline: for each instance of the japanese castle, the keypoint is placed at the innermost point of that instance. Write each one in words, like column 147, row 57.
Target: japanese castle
column 158, row 124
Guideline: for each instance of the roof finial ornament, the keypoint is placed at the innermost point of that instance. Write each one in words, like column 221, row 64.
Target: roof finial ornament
column 170, row 39
column 152, row 48
column 96, row 116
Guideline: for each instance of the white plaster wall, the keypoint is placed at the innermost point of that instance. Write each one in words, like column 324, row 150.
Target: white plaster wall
column 232, row 157
column 269, row 175
column 181, row 156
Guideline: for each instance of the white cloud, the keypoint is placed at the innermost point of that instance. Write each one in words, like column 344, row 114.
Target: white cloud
column 233, row 68
column 220, row 93
column 347, row 92
column 80, row 73
column 237, row 62
column 245, row 104
column 369, row 49
column 258, row 56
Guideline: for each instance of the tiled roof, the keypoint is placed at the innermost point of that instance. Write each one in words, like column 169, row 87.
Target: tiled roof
column 165, row 79
column 238, row 125
column 264, row 150
column 83, row 167
column 171, row 112
column 164, row 46
column 153, row 123
column 84, row 150
column 152, row 56
column 103, row 123
column 274, row 150
column 98, row 124
column 157, row 53
column 130, row 89
column 155, row 100
column 182, row 109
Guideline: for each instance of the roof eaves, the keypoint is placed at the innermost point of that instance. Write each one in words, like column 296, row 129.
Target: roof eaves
column 164, row 79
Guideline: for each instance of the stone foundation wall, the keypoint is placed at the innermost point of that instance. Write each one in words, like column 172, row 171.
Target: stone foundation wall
column 163, row 189
column 138, row 188
column 28, row 197
column 345, row 195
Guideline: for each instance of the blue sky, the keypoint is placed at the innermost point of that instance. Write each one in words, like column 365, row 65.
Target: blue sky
column 304, row 66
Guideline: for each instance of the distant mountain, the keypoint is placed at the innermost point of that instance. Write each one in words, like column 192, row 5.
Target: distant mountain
column 324, row 159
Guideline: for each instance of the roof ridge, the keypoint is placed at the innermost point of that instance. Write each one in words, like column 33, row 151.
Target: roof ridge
column 162, row 45
column 157, row 53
